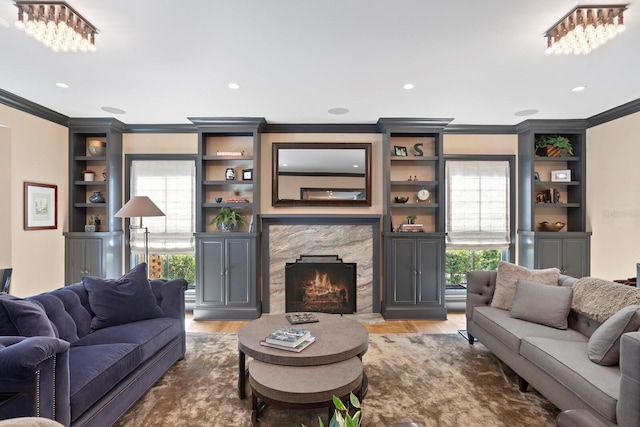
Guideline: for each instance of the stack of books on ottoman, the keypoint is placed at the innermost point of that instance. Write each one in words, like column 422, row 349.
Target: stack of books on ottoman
column 289, row 338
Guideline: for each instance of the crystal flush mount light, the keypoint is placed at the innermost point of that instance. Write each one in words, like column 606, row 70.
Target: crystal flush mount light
column 56, row 25
column 584, row 29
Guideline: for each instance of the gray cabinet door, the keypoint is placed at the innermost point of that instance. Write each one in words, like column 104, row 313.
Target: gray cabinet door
column 549, row 253
column 211, row 269
column 402, row 289
column 239, row 271
column 85, row 257
column 575, row 256
column 569, row 254
column 429, row 275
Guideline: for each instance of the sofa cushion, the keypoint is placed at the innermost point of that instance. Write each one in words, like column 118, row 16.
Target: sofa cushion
column 74, row 308
column 544, row 304
column 507, row 279
column 124, row 300
column 510, row 331
column 567, row 363
column 150, row 335
column 23, row 317
column 94, row 370
column 604, row 344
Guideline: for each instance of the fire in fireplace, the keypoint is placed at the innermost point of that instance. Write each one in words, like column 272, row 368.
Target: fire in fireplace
column 320, row 283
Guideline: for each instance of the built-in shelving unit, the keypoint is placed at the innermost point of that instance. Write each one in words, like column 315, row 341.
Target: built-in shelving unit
column 96, row 253
column 569, row 248
column 226, row 262
column 414, row 261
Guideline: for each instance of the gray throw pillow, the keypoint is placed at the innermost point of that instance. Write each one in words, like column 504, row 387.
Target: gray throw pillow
column 543, row 304
column 507, row 278
column 604, row 344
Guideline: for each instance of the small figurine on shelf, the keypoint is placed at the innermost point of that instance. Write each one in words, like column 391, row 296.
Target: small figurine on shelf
column 96, row 221
column 104, row 174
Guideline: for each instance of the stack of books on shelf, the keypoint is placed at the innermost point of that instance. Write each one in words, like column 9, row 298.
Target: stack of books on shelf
column 289, row 339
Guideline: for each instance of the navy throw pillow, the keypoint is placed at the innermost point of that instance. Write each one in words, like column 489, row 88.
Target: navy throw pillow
column 23, row 317
column 124, row 300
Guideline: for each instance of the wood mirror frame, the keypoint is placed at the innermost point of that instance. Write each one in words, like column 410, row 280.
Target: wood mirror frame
column 335, row 152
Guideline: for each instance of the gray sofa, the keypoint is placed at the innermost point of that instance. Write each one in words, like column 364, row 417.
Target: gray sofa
column 82, row 355
column 556, row 361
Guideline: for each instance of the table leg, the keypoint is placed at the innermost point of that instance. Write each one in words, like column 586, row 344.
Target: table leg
column 241, row 375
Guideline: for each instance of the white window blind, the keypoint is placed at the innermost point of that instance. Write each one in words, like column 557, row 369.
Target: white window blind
column 477, row 204
column 170, row 184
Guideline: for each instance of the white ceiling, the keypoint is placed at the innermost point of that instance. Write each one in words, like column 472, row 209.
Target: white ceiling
column 478, row 62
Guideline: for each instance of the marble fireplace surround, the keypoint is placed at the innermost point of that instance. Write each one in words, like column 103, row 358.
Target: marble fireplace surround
column 354, row 238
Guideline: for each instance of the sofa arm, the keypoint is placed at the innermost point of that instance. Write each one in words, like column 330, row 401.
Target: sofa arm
column 628, row 408
column 480, row 287
column 34, row 378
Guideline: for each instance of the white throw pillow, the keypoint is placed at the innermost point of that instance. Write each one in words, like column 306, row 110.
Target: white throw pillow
column 507, row 278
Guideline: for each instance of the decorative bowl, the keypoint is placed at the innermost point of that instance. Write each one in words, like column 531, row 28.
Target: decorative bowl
column 96, row 150
column 550, row 226
column 401, row 199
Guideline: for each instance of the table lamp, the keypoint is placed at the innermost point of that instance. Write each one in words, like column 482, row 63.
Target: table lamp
column 140, row 206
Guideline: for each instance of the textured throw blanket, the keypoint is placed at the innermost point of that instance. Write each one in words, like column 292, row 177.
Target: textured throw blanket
column 600, row 299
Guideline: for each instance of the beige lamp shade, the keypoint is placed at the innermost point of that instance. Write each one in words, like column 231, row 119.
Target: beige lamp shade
column 139, row 206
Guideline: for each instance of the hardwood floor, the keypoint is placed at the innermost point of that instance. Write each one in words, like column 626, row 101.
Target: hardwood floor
column 454, row 322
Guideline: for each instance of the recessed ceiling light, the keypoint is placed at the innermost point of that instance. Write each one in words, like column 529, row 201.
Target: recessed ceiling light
column 579, row 88
column 234, row 86
column 62, row 85
column 338, row 110
column 408, row 86
column 113, row 110
column 355, row 166
column 524, row 113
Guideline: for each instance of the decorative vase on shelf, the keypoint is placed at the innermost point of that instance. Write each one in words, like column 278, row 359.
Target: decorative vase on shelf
column 96, row 197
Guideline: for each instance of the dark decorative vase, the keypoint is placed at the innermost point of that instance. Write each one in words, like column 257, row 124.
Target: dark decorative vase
column 226, row 227
column 96, row 197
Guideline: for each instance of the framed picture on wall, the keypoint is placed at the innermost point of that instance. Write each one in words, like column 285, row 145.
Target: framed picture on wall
column 40, row 206
column 400, row 151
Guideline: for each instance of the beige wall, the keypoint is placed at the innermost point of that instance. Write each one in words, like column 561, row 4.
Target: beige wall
column 172, row 143
column 613, row 197
column 38, row 152
column 5, row 196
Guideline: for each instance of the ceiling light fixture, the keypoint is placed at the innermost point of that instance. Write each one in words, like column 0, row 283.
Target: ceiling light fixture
column 234, row 86
column 579, row 88
column 56, row 25
column 408, row 86
column 584, row 29
column 62, row 85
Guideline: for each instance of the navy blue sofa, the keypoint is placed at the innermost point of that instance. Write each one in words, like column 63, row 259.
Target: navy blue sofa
column 84, row 376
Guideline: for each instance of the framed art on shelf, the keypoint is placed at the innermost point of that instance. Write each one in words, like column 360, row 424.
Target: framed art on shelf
column 40, row 206
column 561, row 176
column 247, row 174
column 400, row 151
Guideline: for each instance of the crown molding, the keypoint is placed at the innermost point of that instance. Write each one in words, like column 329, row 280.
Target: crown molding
column 614, row 113
column 22, row 104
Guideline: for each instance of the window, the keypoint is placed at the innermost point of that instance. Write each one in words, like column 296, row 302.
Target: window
column 480, row 223
column 170, row 184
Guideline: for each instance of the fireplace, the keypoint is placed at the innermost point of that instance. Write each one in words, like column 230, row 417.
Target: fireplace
column 321, row 283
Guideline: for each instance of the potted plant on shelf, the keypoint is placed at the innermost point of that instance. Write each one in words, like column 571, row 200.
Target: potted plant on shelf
column 227, row 219
column 411, row 219
column 553, row 146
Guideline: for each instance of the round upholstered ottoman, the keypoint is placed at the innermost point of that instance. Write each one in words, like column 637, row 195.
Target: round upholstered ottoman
column 302, row 386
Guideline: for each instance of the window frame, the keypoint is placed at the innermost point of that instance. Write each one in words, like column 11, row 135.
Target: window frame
column 511, row 159
column 129, row 159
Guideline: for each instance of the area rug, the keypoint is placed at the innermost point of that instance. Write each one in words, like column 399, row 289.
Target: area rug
column 434, row 380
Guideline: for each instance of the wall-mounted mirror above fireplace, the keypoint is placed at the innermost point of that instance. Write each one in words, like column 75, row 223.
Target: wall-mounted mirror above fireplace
column 321, row 174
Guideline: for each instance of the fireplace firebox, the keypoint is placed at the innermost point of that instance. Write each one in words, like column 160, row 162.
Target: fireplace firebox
column 321, row 283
